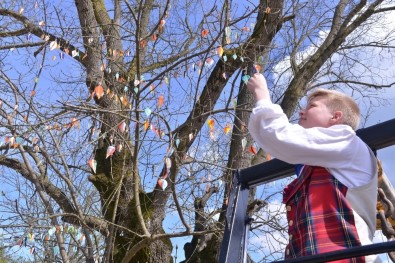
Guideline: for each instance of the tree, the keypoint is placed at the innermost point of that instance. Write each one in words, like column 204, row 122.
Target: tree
column 146, row 93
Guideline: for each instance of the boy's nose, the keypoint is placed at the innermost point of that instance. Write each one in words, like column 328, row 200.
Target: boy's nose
column 301, row 113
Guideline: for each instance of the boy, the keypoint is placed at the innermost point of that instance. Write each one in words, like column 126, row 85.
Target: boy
column 331, row 205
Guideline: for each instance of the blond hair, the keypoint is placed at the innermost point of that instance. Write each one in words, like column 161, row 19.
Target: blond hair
column 338, row 101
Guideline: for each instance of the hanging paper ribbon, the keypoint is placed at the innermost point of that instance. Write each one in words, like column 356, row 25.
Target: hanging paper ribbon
column 161, row 101
column 205, row 32
column 209, row 62
column 227, row 128
column 212, row 135
column 74, row 122
column 58, row 229
column 220, row 51
column 122, row 127
column 75, row 53
column 246, row 29
column 10, row 140
column 245, row 78
column 110, row 151
column 170, row 151
column 56, row 250
column 124, row 101
column 234, row 103
column 168, row 163
column 228, row 32
column 244, row 143
column 148, row 111
column 153, row 128
column 115, row 53
column 257, row 68
column 70, row 230
column 119, row 147
column 252, row 150
column 99, row 91
column 162, row 183
column 53, row 45
column 219, row 183
column 211, row 124
column 146, row 125
column 92, row 164
column 143, row 43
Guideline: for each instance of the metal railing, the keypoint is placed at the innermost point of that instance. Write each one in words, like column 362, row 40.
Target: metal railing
column 234, row 244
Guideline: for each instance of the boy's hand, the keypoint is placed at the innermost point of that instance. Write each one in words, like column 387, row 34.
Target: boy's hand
column 258, row 86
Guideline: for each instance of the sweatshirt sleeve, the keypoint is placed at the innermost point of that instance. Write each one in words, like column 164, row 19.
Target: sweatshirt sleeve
column 327, row 147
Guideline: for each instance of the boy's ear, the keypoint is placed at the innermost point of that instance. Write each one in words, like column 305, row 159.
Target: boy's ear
column 337, row 117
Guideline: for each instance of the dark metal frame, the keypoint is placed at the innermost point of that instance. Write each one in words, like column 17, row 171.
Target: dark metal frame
column 234, row 244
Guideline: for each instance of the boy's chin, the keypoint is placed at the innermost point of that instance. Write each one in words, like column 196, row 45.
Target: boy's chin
column 302, row 123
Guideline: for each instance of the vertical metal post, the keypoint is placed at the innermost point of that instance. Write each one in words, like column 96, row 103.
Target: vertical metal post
column 235, row 228
column 245, row 240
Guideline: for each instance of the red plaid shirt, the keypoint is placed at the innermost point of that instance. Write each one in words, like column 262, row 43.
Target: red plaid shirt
column 320, row 218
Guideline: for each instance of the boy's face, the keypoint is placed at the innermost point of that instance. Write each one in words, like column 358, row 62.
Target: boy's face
column 316, row 114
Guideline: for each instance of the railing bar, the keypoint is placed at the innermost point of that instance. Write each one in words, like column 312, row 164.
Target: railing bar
column 378, row 248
